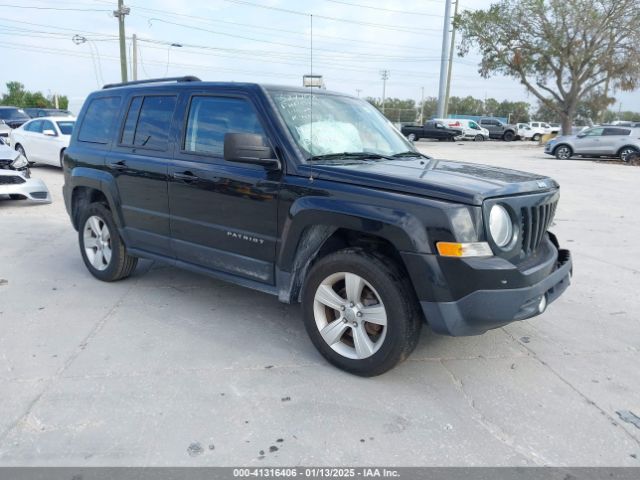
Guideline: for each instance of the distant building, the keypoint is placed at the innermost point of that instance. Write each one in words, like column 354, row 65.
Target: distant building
column 313, row 81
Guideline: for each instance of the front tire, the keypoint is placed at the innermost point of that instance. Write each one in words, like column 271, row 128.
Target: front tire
column 536, row 137
column 101, row 247
column 20, row 150
column 479, row 138
column 360, row 312
column 563, row 152
column 508, row 136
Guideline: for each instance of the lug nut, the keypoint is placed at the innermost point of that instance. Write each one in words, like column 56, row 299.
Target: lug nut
column 355, row 324
column 351, row 304
column 358, row 314
column 342, row 307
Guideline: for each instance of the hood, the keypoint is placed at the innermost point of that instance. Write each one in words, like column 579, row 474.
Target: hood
column 469, row 183
column 7, row 154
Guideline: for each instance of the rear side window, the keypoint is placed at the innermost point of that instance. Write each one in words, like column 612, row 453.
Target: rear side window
column 210, row 118
column 97, row 125
column 148, row 122
column 616, row 131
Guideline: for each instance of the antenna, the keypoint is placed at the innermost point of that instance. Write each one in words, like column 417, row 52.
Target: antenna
column 311, row 99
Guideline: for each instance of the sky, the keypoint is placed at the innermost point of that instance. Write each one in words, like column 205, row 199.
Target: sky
column 267, row 41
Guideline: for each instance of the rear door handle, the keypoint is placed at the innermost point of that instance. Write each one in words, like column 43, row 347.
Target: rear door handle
column 121, row 165
column 186, row 176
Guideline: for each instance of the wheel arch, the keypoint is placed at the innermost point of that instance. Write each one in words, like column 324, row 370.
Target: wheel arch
column 634, row 147
column 88, row 186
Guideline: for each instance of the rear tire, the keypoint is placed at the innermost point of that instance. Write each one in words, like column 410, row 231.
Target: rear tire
column 479, row 138
column 101, row 247
column 345, row 288
column 62, row 158
column 625, row 152
column 536, row 137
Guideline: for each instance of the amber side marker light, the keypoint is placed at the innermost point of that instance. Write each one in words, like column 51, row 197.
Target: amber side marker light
column 453, row 249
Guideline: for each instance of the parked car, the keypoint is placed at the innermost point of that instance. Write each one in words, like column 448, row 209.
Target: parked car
column 538, row 129
column 13, row 116
column 336, row 210
column 470, row 129
column 555, row 128
column 432, row 129
column 499, row 130
column 43, row 140
column 4, row 131
column 47, row 112
column 596, row 141
column 15, row 178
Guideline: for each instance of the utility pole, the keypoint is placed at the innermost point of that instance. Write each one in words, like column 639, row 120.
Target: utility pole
column 120, row 14
column 358, row 90
column 444, row 58
column 134, row 57
column 422, row 106
column 385, row 76
column 451, row 49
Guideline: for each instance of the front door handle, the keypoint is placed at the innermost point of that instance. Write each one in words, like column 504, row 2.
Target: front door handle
column 121, row 165
column 186, row 176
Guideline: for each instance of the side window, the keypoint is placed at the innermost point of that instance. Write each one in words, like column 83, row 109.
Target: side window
column 130, row 123
column 210, row 118
column 47, row 125
column 97, row 125
column 616, row 131
column 148, row 122
column 594, row 132
column 474, row 125
column 36, row 126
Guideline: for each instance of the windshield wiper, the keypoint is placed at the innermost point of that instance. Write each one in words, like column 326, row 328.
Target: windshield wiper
column 349, row 156
column 410, row 153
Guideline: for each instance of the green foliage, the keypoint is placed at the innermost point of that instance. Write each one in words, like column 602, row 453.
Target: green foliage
column 17, row 96
column 397, row 110
column 561, row 51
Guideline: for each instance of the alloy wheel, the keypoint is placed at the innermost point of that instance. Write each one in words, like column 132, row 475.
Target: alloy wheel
column 97, row 242
column 563, row 153
column 350, row 315
column 624, row 154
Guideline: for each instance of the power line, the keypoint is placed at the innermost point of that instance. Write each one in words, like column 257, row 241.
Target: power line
column 391, row 10
column 415, row 30
column 30, row 7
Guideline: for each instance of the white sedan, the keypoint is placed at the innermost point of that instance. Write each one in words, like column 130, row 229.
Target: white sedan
column 43, row 140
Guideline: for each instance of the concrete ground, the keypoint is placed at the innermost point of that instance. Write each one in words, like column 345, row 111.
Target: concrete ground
column 173, row 368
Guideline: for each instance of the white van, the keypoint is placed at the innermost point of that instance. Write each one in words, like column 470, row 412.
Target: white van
column 470, row 129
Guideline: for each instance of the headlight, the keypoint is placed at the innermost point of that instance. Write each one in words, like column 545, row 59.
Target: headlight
column 500, row 226
column 19, row 162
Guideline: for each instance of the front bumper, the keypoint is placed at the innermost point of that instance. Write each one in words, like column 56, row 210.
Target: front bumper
column 484, row 310
column 34, row 189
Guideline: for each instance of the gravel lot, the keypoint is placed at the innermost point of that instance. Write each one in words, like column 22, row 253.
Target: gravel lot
column 172, row 368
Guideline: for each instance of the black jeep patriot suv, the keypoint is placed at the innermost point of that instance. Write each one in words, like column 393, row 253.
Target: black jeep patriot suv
column 316, row 198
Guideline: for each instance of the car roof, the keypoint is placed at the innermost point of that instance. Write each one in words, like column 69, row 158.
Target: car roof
column 226, row 85
column 54, row 118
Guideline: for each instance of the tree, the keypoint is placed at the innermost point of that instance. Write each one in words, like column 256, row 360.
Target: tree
column 17, row 96
column 465, row 106
column 397, row 110
column 560, row 50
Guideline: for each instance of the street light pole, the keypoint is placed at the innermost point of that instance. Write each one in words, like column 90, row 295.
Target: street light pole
column 444, row 58
column 385, row 77
column 452, row 48
column 134, row 57
column 120, row 14
column 422, row 106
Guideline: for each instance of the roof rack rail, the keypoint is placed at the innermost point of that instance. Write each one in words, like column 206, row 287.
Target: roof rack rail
column 188, row 78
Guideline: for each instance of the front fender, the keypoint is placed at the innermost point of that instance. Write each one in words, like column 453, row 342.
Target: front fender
column 402, row 229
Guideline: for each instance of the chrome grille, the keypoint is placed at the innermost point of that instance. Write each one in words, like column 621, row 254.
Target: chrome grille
column 535, row 222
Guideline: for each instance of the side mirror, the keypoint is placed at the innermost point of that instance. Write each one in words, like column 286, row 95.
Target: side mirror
column 49, row 133
column 250, row 148
column 581, row 135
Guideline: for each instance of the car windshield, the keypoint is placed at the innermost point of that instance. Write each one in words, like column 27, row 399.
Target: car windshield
column 13, row 114
column 66, row 128
column 338, row 126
